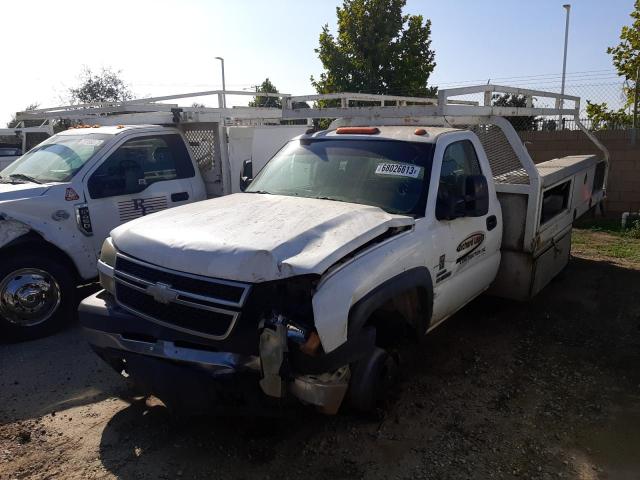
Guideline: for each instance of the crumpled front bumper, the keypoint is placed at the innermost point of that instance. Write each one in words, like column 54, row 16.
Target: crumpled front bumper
column 180, row 370
column 188, row 377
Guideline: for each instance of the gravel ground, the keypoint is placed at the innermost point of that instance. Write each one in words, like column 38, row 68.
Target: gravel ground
column 547, row 389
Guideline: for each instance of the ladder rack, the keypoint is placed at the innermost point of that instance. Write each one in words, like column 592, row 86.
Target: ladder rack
column 446, row 109
column 446, row 105
column 151, row 111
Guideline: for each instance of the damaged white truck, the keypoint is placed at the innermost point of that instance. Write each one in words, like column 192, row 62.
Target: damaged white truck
column 60, row 200
column 348, row 240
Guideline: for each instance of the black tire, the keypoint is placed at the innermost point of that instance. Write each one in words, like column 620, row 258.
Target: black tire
column 63, row 313
column 371, row 380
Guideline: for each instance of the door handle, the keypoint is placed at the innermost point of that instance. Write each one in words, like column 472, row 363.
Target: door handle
column 492, row 222
column 179, row 197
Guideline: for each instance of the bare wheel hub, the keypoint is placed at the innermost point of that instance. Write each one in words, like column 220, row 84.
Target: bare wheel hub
column 28, row 297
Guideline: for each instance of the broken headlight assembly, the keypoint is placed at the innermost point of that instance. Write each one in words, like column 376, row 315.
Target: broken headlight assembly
column 287, row 325
column 283, row 341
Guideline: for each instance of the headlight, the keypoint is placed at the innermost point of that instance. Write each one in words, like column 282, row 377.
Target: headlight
column 106, row 265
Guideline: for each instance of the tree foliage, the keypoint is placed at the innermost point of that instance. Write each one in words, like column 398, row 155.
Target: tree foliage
column 626, row 55
column 604, row 119
column 106, row 86
column 266, row 102
column 626, row 59
column 377, row 50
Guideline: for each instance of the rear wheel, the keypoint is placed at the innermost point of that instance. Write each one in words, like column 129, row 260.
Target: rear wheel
column 372, row 378
column 37, row 296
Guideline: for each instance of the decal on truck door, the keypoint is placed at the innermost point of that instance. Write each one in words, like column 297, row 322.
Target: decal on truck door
column 468, row 248
column 139, row 207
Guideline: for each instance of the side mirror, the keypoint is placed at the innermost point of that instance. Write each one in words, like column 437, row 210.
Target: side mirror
column 246, row 175
column 476, row 196
column 449, row 205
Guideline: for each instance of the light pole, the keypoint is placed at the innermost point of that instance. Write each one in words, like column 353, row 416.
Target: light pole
column 224, row 97
column 567, row 7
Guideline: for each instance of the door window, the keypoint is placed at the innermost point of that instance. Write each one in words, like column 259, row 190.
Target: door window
column 458, row 162
column 140, row 162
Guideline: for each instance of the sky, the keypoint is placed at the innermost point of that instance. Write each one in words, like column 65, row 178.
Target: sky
column 163, row 47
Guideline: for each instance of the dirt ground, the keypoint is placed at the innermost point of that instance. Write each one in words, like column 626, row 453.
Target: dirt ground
column 548, row 389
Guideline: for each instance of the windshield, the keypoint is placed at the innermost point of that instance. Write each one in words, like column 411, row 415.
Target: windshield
column 57, row 159
column 386, row 174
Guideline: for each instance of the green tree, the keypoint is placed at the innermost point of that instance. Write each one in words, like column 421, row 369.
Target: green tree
column 626, row 55
column 520, row 101
column 266, row 102
column 377, row 50
column 106, row 86
column 604, row 119
column 626, row 59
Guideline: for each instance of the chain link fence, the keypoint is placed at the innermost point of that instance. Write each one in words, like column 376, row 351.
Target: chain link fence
column 612, row 92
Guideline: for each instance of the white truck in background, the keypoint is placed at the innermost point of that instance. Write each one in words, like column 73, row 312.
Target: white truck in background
column 60, row 200
column 17, row 140
column 348, row 241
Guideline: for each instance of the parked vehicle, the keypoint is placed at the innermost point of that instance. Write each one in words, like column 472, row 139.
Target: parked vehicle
column 8, row 155
column 60, row 200
column 15, row 141
column 348, row 240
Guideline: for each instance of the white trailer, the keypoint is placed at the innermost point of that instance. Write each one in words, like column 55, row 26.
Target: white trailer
column 386, row 224
column 121, row 161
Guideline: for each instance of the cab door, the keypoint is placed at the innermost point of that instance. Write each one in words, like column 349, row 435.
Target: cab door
column 468, row 214
column 144, row 175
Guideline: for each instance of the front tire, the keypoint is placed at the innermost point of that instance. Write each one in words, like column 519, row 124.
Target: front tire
column 37, row 296
column 372, row 377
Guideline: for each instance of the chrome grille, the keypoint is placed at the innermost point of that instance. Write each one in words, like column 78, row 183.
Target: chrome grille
column 191, row 303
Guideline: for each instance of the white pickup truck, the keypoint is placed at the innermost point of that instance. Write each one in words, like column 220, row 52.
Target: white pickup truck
column 60, row 200
column 347, row 241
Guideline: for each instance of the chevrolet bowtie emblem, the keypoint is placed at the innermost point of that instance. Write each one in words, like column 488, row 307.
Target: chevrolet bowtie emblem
column 162, row 293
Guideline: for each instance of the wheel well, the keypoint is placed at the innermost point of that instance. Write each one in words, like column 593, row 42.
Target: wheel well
column 400, row 318
column 399, row 308
column 34, row 244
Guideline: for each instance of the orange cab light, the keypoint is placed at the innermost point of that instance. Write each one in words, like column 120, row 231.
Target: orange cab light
column 357, row 130
column 96, row 126
column 120, row 126
column 420, row 131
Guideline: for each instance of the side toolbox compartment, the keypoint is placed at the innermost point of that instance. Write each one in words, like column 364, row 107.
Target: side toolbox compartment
column 569, row 187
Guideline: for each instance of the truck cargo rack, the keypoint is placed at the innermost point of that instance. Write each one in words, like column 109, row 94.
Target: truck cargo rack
column 515, row 173
column 513, row 170
column 152, row 111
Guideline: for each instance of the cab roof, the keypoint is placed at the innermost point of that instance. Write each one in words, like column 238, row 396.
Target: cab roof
column 386, row 132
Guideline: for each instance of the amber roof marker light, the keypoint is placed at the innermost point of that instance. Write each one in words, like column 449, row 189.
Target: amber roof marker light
column 357, row 130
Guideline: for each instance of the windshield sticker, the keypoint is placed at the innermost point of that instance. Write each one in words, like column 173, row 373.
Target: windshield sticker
column 92, row 142
column 399, row 170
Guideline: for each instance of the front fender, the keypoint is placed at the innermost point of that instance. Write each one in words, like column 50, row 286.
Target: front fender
column 343, row 288
column 10, row 230
column 21, row 217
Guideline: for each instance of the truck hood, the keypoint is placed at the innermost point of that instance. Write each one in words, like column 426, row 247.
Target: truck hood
column 15, row 191
column 254, row 237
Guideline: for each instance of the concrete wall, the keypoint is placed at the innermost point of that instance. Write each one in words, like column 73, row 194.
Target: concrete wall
column 623, row 188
